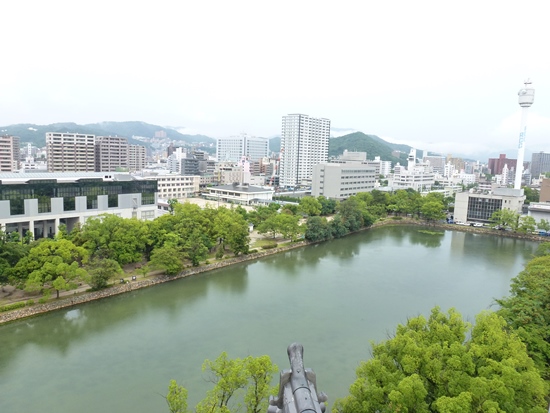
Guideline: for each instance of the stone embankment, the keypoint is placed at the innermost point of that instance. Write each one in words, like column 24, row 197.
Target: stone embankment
column 134, row 285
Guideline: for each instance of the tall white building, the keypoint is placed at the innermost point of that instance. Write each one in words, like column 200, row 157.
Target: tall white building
column 233, row 148
column 304, row 143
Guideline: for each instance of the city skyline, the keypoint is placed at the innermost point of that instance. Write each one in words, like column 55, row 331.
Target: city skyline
column 434, row 77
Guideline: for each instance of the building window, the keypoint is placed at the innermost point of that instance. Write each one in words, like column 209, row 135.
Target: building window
column 113, row 201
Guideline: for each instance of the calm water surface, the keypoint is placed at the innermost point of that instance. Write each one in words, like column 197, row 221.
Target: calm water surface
column 118, row 355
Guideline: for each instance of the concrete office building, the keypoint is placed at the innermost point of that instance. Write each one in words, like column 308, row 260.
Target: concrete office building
column 239, row 194
column 40, row 202
column 304, row 143
column 70, row 152
column 176, row 186
column 233, row 148
column 341, row 180
column 479, row 206
column 9, row 153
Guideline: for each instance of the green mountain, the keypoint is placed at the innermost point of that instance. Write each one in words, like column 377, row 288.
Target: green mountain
column 372, row 144
column 358, row 142
column 35, row 134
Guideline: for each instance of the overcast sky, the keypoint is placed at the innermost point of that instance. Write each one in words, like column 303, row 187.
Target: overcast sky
column 437, row 75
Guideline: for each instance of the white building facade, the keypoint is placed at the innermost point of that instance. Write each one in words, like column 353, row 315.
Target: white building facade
column 40, row 202
column 233, row 148
column 176, row 186
column 304, row 143
column 340, row 181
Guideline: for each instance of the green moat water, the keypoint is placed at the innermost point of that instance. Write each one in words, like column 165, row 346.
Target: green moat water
column 119, row 354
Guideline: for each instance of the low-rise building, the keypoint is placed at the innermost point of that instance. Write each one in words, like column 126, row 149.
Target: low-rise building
column 480, row 206
column 175, row 186
column 241, row 194
column 340, row 181
column 40, row 202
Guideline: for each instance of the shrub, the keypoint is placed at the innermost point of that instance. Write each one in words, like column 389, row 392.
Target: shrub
column 269, row 246
column 29, row 302
column 13, row 306
column 397, row 218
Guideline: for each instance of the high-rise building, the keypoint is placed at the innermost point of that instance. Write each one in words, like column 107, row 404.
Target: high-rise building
column 233, row 148
column 111, row 154
column 136, row 157
column 497, row 164
column 9, row 153
column 304, row 143
column 540, row 164
column 70, row 152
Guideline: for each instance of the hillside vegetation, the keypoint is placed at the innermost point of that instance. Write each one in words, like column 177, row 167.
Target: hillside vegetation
column 35, row 134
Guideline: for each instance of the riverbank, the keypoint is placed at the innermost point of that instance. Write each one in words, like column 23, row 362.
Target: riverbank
column 73, row 300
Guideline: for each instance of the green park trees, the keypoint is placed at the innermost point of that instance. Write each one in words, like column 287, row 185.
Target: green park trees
column 442, row 364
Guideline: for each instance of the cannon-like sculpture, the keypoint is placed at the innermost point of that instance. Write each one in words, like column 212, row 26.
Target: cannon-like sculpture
column 297, row 387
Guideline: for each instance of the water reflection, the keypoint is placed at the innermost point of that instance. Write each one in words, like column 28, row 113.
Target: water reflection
column 333, row 296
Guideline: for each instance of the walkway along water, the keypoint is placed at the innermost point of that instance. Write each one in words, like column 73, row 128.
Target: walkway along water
column 133, row 285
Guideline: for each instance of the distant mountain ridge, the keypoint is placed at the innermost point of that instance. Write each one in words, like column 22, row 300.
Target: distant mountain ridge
column 35, row 134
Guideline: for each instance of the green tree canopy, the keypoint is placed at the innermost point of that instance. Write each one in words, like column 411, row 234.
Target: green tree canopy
column 51, row 264
column 444, row 365
column 527, row 309
column 310, row 206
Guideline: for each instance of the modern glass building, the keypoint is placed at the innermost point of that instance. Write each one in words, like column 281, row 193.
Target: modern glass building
column 40, row 202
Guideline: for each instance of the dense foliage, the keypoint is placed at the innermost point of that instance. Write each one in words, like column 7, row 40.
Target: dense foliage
column 527, row 310
column 442, row 364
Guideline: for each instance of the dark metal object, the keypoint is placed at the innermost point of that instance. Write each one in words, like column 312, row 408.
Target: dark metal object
column 297, row 387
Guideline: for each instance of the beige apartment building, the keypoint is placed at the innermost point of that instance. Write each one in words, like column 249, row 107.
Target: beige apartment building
column 111, row 154
column 136, row 157
column 9, row 153
column 70, row 152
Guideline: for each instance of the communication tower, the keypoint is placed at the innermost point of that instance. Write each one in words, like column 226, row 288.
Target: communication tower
column 526, row 97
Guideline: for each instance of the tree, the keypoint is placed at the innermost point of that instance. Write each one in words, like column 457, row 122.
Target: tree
column 176, row 398
column 317, row 229
column 505, row 218
column 228, row 376
column 260, row 372
column 231, row 376
column 337, row 227
column 110, row 236
column 328, row 206
column 101, row 271
column 351, row 212
column 167, row 258
column 527, row 309
column 196, row 247
column 527, row 224
column 444, row 365
column 432, row 211
column 531, row 195
column 47, row 261
column 310, row 206
column 172, row 205
column 543, row 225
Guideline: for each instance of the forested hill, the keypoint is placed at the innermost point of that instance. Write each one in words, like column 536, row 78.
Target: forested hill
column 372, row 144
column 35, row 134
